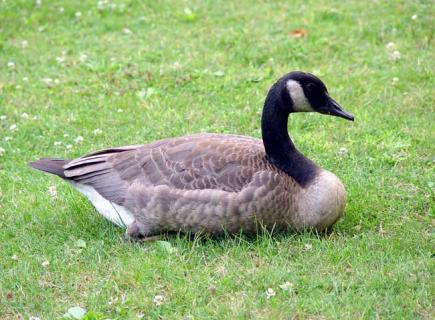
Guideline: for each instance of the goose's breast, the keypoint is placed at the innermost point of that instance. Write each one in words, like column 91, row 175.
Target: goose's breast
column 321, row 203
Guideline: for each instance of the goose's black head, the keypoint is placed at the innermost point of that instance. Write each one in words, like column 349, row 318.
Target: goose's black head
column 304, row 92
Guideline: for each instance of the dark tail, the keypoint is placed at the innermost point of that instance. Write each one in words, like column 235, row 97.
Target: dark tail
column 53, row 166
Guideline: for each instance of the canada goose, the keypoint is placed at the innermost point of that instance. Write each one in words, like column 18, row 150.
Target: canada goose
column 216, row 182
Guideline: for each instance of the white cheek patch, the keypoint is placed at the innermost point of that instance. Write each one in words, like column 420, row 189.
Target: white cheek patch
column 300, row 101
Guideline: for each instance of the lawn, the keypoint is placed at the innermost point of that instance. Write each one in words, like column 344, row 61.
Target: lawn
column 77, row 76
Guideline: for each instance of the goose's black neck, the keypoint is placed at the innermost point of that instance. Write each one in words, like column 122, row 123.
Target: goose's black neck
column 280, row 149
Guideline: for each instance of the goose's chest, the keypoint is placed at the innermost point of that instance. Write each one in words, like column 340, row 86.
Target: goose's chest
column 321, row 203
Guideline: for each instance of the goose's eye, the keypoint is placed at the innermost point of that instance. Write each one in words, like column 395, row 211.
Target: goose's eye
column 311, row 87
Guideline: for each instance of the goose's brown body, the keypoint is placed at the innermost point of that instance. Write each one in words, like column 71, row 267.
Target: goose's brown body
column 203, row 182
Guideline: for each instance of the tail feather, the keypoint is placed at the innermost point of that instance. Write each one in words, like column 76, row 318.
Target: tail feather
column 53, row 166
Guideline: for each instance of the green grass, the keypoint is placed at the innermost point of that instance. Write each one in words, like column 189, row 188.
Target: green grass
column 187, row 67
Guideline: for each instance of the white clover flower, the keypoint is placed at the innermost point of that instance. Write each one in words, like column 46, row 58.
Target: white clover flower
column 7, row 138
column 65, row 135
column 11, row 65
column 24, row 44
column 24, row 115
column 60, row 60
column 158, row 300
column 145, row 93
column 270, row 293
column 57, row 143
column 308, row 246
column 38, row 2
column 414, row 17
column 286, row 286
column 342, row 151
column 395, row 55
column 395, row 80
column 34, row 318
column 3, row 117
column 13, row 127
column 141, row 94
column 2, row 151
column 56, row 81
column 61, row 9
column 390, row 45
column 68, row 146
column 102, row 4
column 48, row 82
column 97, row 131
column 45, row 264
column 52, row 191
column 123, row 298
column 25, row 79
column 78, row 14
column 15, row 257
column 120, row 110
column 126, row 31
column 79, row 139
column 83, row 57
column 76, row 312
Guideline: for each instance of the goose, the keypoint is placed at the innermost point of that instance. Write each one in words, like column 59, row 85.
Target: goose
column 216, row 183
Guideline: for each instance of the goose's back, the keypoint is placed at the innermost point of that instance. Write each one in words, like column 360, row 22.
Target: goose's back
column 204, row 161
column 196, row 162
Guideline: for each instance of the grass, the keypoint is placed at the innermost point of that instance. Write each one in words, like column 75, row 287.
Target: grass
column 175, row 68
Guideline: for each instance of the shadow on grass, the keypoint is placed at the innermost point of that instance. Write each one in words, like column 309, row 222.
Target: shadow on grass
column 226, row 239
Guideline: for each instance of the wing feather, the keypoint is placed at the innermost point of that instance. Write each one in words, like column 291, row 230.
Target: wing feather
column 204, row 161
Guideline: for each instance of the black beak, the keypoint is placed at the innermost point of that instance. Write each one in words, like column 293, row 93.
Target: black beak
column 334, row 109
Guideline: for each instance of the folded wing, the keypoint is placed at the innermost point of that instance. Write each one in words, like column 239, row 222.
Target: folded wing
column 203, row 161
